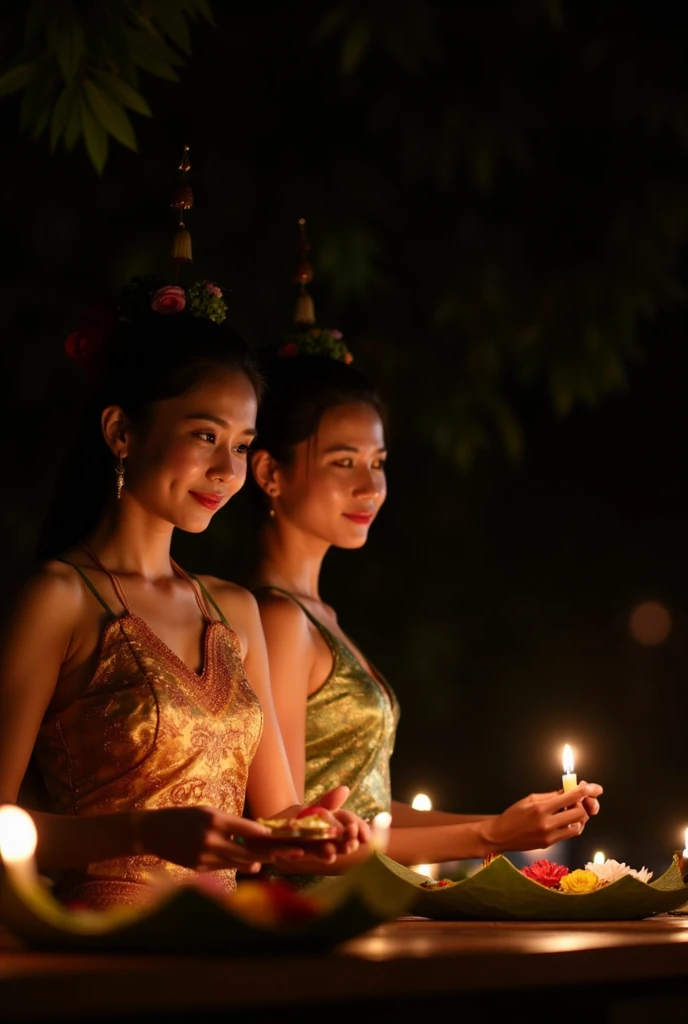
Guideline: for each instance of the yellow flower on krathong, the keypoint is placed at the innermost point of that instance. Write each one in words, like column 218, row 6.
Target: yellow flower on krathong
column 581, row 880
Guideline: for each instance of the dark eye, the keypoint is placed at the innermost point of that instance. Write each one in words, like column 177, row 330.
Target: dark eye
column 242, row 449
column 206, row 435
column 379, row 464
column 344, row 463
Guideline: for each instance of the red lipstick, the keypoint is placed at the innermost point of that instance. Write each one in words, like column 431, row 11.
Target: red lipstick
column 363, row 518
column 211, row 501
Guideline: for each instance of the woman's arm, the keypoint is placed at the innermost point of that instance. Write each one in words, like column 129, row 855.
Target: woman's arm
column 404, row 816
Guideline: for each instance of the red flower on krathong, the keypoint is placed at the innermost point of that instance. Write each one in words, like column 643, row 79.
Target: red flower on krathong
column 288, row 350
column 168, row 299
column 89, row 344
column 546, row 872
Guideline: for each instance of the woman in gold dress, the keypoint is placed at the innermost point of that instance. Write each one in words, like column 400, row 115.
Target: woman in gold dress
column 320, row 464
column 143, row 692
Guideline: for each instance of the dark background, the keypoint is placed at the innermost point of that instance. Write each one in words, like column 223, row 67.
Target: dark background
column 497, row 200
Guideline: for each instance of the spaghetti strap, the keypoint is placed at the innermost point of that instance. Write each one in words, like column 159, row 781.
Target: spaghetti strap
column 209, row 597
column 286, row 593
column 191, row 580
column 113, row 579
column 90, row 586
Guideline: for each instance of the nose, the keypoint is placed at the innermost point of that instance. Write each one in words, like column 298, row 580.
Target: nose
column 368, row 484
column 226, row 466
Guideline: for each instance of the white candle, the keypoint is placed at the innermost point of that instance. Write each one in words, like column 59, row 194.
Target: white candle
column 18, row 840
column 569, row 779
column 685, row 846
column 421, row 802
column 379, row 831
column 599, row 858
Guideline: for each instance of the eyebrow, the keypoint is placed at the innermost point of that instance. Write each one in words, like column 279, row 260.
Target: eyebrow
column 349, row 448
column 209, row 416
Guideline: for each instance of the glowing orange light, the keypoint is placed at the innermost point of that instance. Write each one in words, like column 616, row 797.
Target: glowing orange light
column 650, row 623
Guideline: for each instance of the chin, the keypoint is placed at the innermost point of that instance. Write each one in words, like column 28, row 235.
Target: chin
column 193, row 524
column 351, row 543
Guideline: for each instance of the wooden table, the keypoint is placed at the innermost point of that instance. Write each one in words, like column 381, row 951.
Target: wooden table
column 631, row 971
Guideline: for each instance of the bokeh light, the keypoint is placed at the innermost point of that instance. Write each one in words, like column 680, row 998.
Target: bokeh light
column 650, row 623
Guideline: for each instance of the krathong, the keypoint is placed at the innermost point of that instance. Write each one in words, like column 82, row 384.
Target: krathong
column 610, row 870
column 546, row 872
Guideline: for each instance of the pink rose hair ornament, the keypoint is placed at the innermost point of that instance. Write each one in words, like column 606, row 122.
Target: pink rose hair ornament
column 89, row 345
column 308, row 339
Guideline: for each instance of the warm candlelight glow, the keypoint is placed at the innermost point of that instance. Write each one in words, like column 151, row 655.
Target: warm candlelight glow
column 18, row 836
column 431, row 870
column 599, row 858
column 379, row 831
column 685, row 845
column 569, row 779
column 421, row 802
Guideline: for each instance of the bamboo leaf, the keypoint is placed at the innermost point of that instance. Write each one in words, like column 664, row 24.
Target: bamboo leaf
column 38, row 94
column 74, row 126
column 16, row 78
column 152, row 55
column 69, row 37
column 205, row 10
column 110, row 114
column 95, row 137
column 40, row 124
column 173, row 23
column 35, row 21
column 61, row 112
column 123, row 92
column 355, row 45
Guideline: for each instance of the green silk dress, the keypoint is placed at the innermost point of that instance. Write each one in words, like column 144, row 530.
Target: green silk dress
column 351, row 723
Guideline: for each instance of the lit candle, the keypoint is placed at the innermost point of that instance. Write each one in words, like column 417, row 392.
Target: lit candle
column 569, row 779
column 431, row 870
column 599, row 858
column 18, row 840
column 379, row 831
column 685, row 846
column 421, row 802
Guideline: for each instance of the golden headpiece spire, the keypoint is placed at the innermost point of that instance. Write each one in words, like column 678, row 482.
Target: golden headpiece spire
column 182, row 200
column 304, row 310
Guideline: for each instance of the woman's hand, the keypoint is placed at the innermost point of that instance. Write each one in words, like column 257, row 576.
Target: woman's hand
column 541, row 819
column 201, row 838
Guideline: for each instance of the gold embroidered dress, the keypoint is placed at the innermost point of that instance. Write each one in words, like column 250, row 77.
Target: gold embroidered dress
column 148, row 732
column 351, row 723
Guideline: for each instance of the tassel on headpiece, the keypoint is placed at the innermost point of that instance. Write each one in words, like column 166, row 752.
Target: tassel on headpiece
column 182, row 200
column 304, row 310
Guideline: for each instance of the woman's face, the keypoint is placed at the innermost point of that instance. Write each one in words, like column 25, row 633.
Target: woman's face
column 191, row 457
column 335, row 484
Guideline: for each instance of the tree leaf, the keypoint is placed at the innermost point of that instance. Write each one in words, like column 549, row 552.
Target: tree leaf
column 124, row 93
column 69, row 38
column 204, row 9
column 35, row 21
column 74, row 126
column 65, row 104
column 110, row 114
column 355, row 45
column 95, row 137
column 152, row 55
column 38, row 94
column 16, row 78
column 330, row 23
column 40, row 124
column 171, row 20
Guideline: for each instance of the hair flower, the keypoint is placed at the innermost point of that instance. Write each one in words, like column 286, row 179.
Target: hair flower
column 89, row 344
column 546, row 872
column 579, row 881
column 288, row 351
column 168, row 299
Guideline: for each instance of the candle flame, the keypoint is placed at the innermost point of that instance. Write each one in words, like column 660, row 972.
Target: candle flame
column 421, row 802
column 599, row 858
column 568, row 760
column 685, row 844
column 18, row 836
column 382, row 820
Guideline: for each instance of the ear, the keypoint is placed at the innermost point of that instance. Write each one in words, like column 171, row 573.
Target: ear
column 115, row 427
column 265, row 472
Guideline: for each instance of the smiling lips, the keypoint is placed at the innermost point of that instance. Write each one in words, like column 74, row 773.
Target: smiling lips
column 211, row 501
column 363, row 518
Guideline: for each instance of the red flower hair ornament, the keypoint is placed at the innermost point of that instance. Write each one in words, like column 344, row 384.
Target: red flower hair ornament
column 90, row 343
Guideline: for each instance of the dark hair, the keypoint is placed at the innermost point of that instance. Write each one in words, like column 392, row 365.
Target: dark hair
column 156, row 357
column 299, row 392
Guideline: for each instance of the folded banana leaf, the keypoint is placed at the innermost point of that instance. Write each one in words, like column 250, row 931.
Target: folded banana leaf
column 500, row 892
column 192, row 920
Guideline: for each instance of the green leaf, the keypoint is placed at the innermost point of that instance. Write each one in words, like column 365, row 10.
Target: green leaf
column 204, row 9
column 110, row 114
column 334, row 20
column 95, row 137
column 355, row 45
column 35, row 21
column 152, row 55
column 16, row 78
column 173, row 23
column 40, row 124
column 123, row 92
column 73, row 128
column 69, row 37
column 66, row 102
column 39, row 94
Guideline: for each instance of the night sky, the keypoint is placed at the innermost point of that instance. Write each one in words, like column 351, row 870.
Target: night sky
column 495, row 592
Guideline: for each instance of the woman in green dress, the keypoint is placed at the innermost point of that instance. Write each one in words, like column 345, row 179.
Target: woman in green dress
column 319, row 461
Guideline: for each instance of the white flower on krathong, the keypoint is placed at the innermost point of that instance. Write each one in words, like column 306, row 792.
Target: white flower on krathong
column 612, row 870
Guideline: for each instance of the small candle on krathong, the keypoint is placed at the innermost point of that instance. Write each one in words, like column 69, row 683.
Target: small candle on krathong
column 685, row 846
column 421, row 802
column 379, row 831
column 569, row 779
column 18, row 839
column 599, row 858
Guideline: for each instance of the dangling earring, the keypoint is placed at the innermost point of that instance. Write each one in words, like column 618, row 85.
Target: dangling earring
column 272, row 507
column 119, row 470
